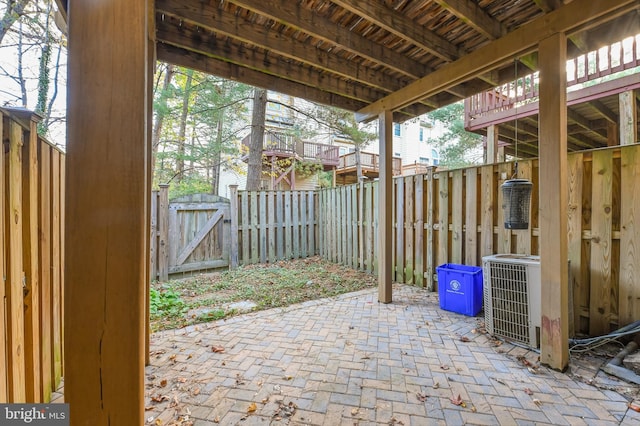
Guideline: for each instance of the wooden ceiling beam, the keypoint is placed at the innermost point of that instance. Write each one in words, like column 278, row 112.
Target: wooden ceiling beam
column 474, row 16
column 573, row 17
column 225, row 23
column 228, row 70
column 396, row 23
column 603, row 110
column 201, row 41
column 302, row 19
column 584, row 123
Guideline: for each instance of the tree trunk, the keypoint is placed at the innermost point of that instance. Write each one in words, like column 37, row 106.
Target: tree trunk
column 358, row 162
column 183, row 127
column 257, row 136
column 161, row 111
column 15, row 9
column 217, row 157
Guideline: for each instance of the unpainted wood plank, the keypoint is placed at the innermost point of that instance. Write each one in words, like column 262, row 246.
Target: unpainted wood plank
column 340, row 226
column 254, row 229
column 30, row 263
column 471, row 218
column 418, row 276
column 288, row 244
column 629, row 290
column 375, row 247
column 504, row 235
column 280, row 225
column 348, row 258
column 303, row 224
column 312, row 209
column 487, row 210
column 360, row 224
column 262, row 209
column 56, row 282
column 199, row 266
column 443, row 217
column 628, row 118
column 384, row 209
column 429, row 249
column 44, row 270
column 457, row 213
column 601, row 233
column 4, row 381
column 14, row 295
column 353, row 189
column 575, row 172
column 368, row 225
column 295, row 221
column 399, row 195
column 153, row 237
column 271, row 217
column 164, row 244
column 201, row 233
column 233, row 238
column 409, row 229
column 523, row 236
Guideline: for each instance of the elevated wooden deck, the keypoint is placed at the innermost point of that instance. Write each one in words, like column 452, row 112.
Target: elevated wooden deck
column 282, row 145
column 346, row 172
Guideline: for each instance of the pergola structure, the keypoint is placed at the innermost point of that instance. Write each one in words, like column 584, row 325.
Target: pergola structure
column 384, row 59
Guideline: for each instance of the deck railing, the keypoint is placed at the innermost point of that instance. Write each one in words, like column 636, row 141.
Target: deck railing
column 276, row 143
column 32, row 258
column 608, row 60
column 368, row 162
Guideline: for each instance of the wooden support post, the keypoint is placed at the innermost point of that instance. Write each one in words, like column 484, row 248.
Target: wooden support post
column 14, row 296
column 233, row 252
column 612, row 134
column 385, row 193
column 163, row 233
column 106, row 204
column 554, row 343
column 31, row 263
column 628, row 121
column 4, row 391
column 492, row 145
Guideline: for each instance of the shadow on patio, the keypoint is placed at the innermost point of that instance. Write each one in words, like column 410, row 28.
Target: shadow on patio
column 351, row 360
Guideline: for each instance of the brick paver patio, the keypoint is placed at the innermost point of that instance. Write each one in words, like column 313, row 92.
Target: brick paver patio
column 354, row 361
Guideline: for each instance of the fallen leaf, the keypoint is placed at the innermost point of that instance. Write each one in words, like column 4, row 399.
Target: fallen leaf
column 537, row 402
column 216, row 419
column 528, row 391
column 436, row 385
column 158, row 422
column 444, row 367
column 217, row 349
column 354, row 412
column 182, row 379
column 174, row 402
column 464, row 339
column 457, row 401
column 533, row 370
column 635, row 406
column 159, row 398
column 421, row 397
column 196, row 391
column 287, row 378
column 252, row 408
column 474, row 409
column 474, row 331
column 189, row 356
column 172, row 357
column 163, row 383
column 149, row 407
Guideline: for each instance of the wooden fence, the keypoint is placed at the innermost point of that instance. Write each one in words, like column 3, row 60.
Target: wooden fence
column 31, row 260
column 456, row 217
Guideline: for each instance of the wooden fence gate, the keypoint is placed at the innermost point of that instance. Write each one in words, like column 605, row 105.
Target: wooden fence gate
column 189, row 234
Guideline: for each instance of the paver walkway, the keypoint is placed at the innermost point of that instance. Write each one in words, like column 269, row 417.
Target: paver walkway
column 354, row 361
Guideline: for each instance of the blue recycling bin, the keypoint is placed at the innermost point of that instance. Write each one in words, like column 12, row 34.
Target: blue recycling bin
column 460, row 288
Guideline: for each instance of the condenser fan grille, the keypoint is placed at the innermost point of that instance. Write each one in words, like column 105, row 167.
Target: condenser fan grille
column 509, row 301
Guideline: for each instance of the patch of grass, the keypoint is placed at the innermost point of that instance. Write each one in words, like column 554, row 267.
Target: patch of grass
column 267, row 285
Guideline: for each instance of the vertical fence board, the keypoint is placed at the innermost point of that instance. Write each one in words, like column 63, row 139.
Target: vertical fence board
column 288, row 247
column 429, row 225
column 30, row 259
column 354, row 226
column 56, row 284
column 280, row 225
column 418, row 276
column 629, row 290
column 295, row 217
column 263, row 227
column 399, row 222
column 233, row 238
column 303, row 224
column 504, row 234
column 457, row 213
column 14, row 295
column 313, row 233
column 271, row 214
column 153, row 243
column 376, row 223
column 368, row 212
column 253, row 227
column 163, row 233
column 361, row 227
column 44, row 256
column 443, row 218
column 471, row 218
column 244, row 208
column 348, row 229
column 408, row 229
column 575, row 171
column 600, row 305
column 4, row 382
column 486, row 215
column 523, row 236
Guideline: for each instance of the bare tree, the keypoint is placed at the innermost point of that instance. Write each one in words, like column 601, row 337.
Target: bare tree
column 183, row 126
column 161, row 111
column 257, row 136
column 15, row 9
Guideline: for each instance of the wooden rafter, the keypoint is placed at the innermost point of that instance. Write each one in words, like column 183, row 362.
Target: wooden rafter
column 568, row 19
column 477, row 18
column 200, row 62
column 398, row 24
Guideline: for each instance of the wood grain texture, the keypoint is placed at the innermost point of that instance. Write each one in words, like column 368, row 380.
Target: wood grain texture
column 629, row 290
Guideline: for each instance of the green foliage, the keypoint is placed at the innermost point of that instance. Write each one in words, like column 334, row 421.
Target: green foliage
column 165, row 303
column 306, row 169
column 457, row 147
